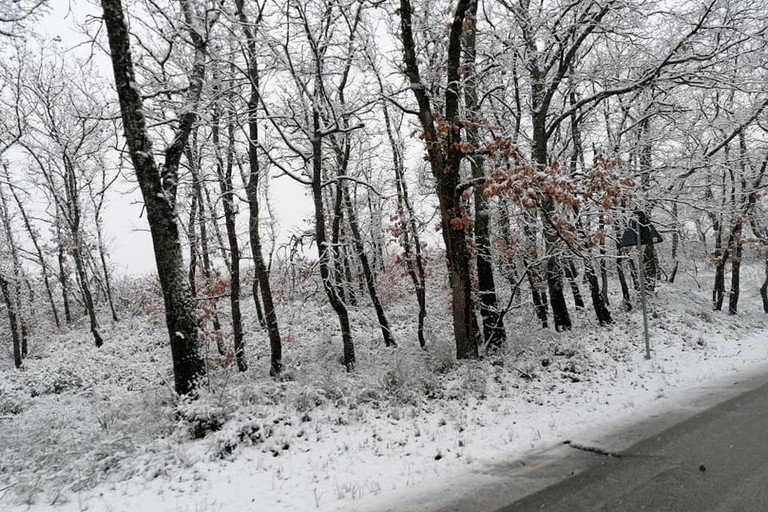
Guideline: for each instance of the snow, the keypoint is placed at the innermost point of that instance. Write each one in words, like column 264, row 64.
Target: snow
column 98, row 429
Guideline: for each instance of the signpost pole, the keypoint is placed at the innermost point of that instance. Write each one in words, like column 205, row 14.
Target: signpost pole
column 641, row 272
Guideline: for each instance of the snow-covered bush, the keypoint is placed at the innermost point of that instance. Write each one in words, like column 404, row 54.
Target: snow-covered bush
column 140, row 296
column 242, row 430
column 55, row 381
column 201, row 417
column 308, row 399
column 12, row 401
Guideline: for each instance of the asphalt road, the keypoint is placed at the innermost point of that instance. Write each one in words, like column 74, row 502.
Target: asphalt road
column 714, row 461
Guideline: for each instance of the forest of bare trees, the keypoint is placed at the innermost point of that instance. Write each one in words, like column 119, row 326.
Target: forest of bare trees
column 488, row 154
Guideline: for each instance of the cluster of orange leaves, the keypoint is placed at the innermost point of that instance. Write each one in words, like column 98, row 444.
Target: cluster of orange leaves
column 602, row 187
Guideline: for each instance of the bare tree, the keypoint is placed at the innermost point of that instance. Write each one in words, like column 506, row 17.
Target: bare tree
column 159, row 184
column 443, row 138
column 252, row 191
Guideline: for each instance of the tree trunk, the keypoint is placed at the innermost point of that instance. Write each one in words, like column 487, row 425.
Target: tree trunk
column 252, row 191
column 627, row 300
column 224, row 174
column 554, row 273
column 256, row 302
column 102, row 248
column 40, row 257
column 205, row 253
column 105, row 269
column 85, row 288
column 651, row 262
column 19, row 327
column 63, row 277
column 325, row 252
column 10, row 304
column 572, row 274
column 721, row 258
column 159, row 190
column 72, row 214
column 603, row 264
column 764, row 287
column 598, row 302
column 733, row 297
column 533, row 269
column 409, row 233
column 675, row 243
column 444, row 155
column 494, row 333
column 370, row 280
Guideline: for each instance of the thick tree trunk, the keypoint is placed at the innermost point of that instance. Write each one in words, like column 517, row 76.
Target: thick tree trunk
column 443, row 152
column 560, row 316
column 159, row 191
column 651, row 262
column 721, row 258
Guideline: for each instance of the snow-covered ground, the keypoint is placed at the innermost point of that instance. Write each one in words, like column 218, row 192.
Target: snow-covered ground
column 98, row 429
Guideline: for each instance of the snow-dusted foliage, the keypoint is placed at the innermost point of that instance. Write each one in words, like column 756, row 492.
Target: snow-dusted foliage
column 85, row 426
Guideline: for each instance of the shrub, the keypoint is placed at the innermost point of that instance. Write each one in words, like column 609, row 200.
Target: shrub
column 12, row 402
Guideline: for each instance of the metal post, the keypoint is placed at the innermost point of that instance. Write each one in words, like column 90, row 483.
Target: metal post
column 641, row 272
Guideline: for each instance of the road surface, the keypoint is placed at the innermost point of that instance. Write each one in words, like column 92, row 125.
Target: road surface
column 708, row 454
column 715, row 461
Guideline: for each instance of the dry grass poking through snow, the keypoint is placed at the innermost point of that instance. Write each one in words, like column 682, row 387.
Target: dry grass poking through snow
column 84, row 427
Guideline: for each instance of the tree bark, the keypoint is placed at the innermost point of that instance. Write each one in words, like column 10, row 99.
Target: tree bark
column 409, row 233
column 261, row 281
column 494, row 332
column 445, row 157
column 197, row 215
column 572, row 274
column 325, row 252
column 13, row 317
column 20, row 328
column 370, row 280
column 598, row 302
column 224, row 174
column 159, row 190
column 63, row 276
column 72, row 214
column 627, row 300
column 764, row 287
column 39, row 252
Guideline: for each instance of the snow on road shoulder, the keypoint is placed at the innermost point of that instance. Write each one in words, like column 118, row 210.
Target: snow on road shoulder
column 401, row 429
